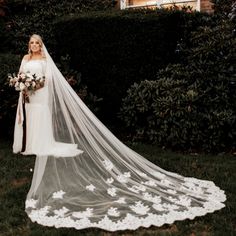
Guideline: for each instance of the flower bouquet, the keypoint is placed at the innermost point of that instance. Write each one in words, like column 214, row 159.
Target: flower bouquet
column 26, row 83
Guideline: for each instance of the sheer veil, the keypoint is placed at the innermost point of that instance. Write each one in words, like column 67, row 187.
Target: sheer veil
column 108, row 185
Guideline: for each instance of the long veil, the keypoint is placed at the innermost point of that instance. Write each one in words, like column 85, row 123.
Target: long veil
column 108, row 186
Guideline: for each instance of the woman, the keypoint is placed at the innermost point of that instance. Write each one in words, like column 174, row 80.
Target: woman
column 84, row 176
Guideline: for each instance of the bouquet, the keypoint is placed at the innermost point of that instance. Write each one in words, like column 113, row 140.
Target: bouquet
column 26, row 83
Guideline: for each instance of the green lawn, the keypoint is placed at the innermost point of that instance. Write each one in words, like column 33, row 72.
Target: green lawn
column 15, row 178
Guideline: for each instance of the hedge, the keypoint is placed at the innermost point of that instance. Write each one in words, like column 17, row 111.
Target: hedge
column 112, row 50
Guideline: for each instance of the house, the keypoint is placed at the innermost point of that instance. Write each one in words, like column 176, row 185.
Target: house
column 199, row 5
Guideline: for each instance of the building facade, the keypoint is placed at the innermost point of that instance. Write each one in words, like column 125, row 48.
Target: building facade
column 199, row 5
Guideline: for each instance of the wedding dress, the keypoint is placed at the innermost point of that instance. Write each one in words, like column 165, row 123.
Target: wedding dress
column 85, row 177
column 39, row 132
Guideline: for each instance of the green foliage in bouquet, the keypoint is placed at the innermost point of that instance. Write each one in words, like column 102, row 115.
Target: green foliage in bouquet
column 191, row 106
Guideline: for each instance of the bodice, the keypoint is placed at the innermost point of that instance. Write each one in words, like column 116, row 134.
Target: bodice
column 37, row 67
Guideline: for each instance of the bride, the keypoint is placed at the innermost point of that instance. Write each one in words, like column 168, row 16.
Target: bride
column 84, row 176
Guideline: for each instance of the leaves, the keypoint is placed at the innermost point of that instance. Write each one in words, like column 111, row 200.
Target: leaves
column 191, row 106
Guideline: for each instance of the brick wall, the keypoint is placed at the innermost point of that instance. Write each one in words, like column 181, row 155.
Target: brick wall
column 206, row 6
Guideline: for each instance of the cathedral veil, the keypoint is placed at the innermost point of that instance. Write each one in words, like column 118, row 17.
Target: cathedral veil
column 108, row 185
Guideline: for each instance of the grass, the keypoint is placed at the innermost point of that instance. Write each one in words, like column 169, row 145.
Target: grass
column 15, row 178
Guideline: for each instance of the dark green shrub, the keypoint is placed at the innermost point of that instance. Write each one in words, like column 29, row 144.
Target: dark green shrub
column 9, row 63
column 191, row 106
column 26, row 17
column 113, row 50
column 222, row 7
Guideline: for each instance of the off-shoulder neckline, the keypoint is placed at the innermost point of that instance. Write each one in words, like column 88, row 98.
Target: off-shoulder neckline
column 43, row 59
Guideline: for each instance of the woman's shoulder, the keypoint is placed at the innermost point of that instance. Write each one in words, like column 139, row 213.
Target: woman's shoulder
column 26, row 57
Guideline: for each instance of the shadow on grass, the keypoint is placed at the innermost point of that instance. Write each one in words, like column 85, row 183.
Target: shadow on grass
column 15, row 179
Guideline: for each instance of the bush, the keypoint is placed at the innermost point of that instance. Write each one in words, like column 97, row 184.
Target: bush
column 25, row 18
column 9, row 63
column 113, row 50
column 190, row 106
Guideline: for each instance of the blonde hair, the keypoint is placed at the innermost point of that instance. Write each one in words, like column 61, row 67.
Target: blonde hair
column 39, row 39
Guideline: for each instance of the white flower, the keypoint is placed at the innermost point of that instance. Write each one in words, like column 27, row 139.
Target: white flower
column 121, row 200
column 112, row 211
column 33, row 84
column 58, row 194
column 16, row 84
column 90, row 187
column 108, row 165
column 111, row 191
column 30, row 203
column 83, row 214
column 22, row 75
column 27, row 84
column 61, row 212
column 110, row 180
column 139, row 208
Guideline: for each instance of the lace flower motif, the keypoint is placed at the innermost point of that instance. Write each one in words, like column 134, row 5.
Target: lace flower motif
column 41, row 213
column 171, row 191
column 133, row 189
column 61, row 212
column 58, row 194
column 149, row 197
column 139, row 208
column 149, row 183
column 30, row 203
column 83, row 214
column 121, row 200
column 90, row 187
column 158, row 207
column 110, row 180
column 108, row 165
column 112, row 211
column 184, row 201
column 111, row 191
column 123, row 178
column 166, row 182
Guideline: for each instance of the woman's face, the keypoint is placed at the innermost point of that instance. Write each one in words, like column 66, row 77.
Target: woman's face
column 34, row 45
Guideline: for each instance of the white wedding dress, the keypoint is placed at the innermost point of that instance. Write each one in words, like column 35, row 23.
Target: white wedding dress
column 102, row 183
column 39, row 133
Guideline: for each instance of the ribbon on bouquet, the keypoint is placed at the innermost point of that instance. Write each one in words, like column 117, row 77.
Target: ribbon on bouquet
column 22, row 117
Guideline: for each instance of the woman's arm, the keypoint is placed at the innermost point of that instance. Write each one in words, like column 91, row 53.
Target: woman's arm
column 24, row 60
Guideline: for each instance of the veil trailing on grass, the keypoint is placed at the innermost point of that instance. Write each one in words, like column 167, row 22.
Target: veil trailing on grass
column 107, row 185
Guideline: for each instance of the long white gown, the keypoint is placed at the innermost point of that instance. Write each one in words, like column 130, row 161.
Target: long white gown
column 39, row 134
column 102, row 183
